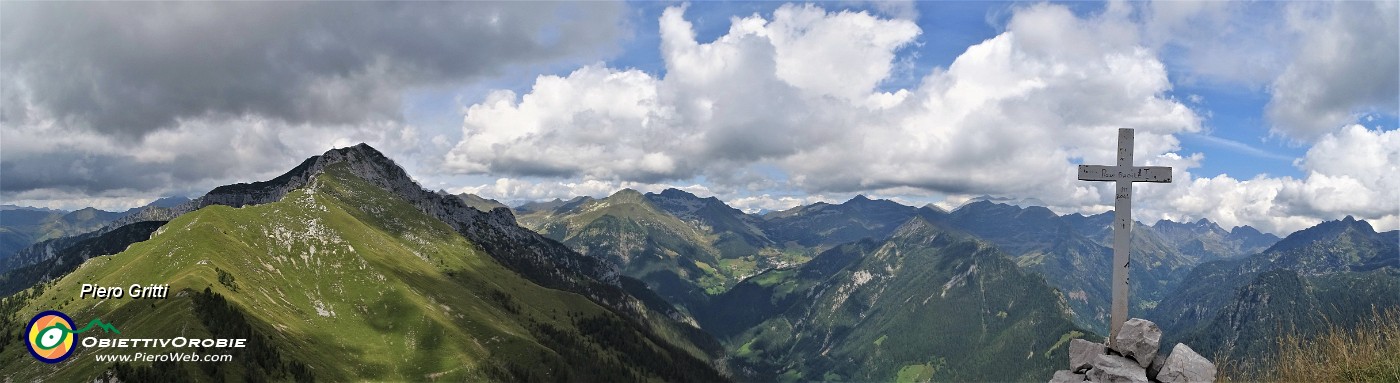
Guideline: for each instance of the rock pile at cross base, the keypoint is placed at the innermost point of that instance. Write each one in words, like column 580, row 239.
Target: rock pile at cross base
column 1133, row 357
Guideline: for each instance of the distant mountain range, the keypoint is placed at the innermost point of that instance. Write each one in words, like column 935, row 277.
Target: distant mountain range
column 646, row 240
column 1335, row 273
column 695, row 233
column 22, row 226
column 659, row 286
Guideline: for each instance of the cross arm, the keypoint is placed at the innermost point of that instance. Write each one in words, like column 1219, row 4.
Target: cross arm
column 1162, row 174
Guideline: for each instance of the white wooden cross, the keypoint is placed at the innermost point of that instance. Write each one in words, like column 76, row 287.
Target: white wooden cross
column 1124, row 175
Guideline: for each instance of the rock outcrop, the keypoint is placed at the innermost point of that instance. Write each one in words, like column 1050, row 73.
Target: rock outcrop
column 1133, row 357
column 1082, row 354
column 1185, row 365
column 1116, row 369
column 1139, row 339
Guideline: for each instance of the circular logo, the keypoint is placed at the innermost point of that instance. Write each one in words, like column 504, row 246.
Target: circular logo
column 51, row 338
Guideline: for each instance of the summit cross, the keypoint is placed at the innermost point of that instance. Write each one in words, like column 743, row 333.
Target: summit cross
column 1123, row 175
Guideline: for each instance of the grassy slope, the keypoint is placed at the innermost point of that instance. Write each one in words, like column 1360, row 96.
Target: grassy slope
column 382, row 293
column 676, row 260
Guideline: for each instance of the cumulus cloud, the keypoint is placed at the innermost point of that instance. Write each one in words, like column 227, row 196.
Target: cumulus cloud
column 1347, row 63
column 1322, row 63
column 1236, row 43
column 105, row 99
column 1354, row 171
column 788, row 108
column 745, row 97
column 766, row 125
column 799, row 93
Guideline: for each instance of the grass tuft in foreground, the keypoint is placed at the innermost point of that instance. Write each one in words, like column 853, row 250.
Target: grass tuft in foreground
column 1369, row 352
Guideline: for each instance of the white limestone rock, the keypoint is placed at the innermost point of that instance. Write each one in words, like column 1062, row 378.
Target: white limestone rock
column 1116, row 369
column 1066, row 376
column 1082, row 354
column 1185, row 365
column 1139, row 340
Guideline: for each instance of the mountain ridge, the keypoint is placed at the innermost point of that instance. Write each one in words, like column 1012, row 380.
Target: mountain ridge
column 1327, row 269
column 342, row 279
column 537, row 258
column 863, row 311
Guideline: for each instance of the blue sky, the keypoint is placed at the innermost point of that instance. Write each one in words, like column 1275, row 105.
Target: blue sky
column 1276, row 115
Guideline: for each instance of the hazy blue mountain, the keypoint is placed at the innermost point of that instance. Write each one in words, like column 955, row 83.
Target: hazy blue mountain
column 822, row 225
column 1205, row 241
column 7, row 207
column 479, row 203
column 25, row 227
column 166, row 202
column 1250, row 238
column 531, row 207
column 70, row 252
column 21, row 228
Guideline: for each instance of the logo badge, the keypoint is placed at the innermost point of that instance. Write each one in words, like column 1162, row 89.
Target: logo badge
column 50, row 336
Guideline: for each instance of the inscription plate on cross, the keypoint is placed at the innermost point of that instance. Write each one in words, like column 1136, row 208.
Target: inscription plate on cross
column 1124, row 174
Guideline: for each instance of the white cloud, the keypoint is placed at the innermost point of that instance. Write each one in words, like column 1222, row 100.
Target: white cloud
column 1007, row 117
column 1355, row 171
column 899, row 9
column 1323, row 63
column 843, row 55
column 1347, row 63
column 1222, row 42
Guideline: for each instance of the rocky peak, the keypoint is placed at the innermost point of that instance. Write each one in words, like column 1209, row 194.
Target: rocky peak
column 916, row 229
column 554, row 205
column 86, row 214
column 169, row 201
column 980, row 206
column 934, row 208
column 627, row 195
column 1251, row 237
column 478, row 202
column 1245, row 230
column 1207, row 225
column 689, row 207
column 1329, row 231
column 676, row 193
column 1039, row 212
column 1201, row 226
